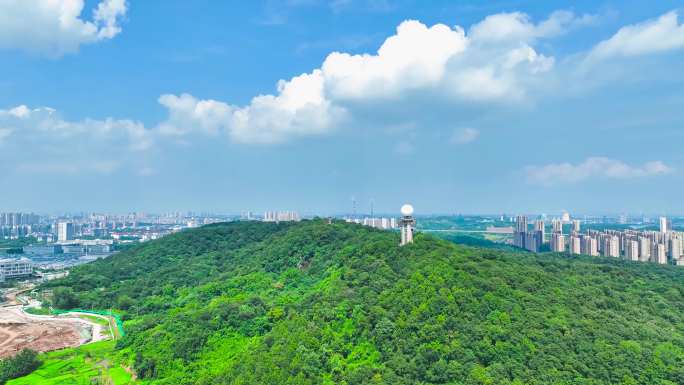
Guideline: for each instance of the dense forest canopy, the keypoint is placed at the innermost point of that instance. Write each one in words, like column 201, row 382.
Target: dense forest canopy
column 320, row 303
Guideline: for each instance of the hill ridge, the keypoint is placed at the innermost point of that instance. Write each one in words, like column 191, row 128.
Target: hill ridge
column 319, row 303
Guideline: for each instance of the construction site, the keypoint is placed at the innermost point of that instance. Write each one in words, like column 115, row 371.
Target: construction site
column 21, row 330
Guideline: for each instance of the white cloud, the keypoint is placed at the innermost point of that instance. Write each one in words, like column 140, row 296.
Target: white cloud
column 464, row 135
column 653, row 36
column 593, row 167
column 496, row 63
column 40, row 141
column 414, row 58
column 517, row 27
column 187, row 114
column 299, row 109
column 44, row 125
column 55, row 27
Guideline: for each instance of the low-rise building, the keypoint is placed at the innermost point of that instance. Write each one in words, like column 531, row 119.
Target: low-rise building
column 15, row 268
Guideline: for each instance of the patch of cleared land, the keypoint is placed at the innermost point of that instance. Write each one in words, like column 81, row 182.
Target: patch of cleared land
column 19, row 330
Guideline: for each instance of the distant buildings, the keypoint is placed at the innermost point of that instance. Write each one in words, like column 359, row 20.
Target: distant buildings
column 565, row 218
column 529, row 240
column 576, row 225
column 660, row 247
column 281, row 216
column 15, row 268
column 611, row 246
column 65, row 231
column 663, row 246
column 665, row 225
column 520, row 235
column 558, row 242
column 575, row 244
column 589, row 246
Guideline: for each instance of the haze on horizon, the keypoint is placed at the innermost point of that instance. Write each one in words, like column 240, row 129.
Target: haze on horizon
column 109, row 105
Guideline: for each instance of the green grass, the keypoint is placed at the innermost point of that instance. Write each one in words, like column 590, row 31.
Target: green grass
column 97, row 320
column 78, row 366
column 37, row 310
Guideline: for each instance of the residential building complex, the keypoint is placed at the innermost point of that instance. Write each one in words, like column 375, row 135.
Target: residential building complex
column 663, row 246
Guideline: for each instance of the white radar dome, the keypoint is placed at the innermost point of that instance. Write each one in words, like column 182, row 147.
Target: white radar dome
column 406, row 210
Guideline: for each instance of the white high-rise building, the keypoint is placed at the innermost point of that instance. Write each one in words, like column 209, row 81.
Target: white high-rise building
column 675, row 248
column 65, row 231
column 575, row 245
column 663, row 225
column 644, row 249
column 557, row 242
column 659, row 254
column 407, row 223
column 281, row 216
column 611, row 246
column 589, row 246
column 632, row 250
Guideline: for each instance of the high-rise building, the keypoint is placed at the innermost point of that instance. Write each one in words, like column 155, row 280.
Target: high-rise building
column 632, row 250
column 557, row 242
column 407, row 223
column 65, row 231
column 281, row 216
column 659, row 254
column 611, row 246
column 557, row 226
column 675, row 248
column 539, row 233
column 663, row 225
column 575, row 245
column 576, row 225
column 520, row 231
column 532, row 241
column 644, row 249
column 589, row 246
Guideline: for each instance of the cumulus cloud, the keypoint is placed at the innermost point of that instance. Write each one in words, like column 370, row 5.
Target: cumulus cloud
column 517, row 26
column 653, row 36
column 593, row 167
column 22, row 123
column 464, row 135
column 70, row 147
column 494, row 62
column 56, row 27
column 299, row 109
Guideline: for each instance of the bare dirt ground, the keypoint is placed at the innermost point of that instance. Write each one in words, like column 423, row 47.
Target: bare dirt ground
column 19, row 330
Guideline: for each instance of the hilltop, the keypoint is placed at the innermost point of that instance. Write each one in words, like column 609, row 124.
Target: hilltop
column 318, row 303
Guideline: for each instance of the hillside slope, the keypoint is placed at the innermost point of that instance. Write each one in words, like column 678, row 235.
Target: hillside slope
column 319, row 303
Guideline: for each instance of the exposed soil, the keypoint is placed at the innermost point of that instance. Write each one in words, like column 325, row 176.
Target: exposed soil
column 19, row 330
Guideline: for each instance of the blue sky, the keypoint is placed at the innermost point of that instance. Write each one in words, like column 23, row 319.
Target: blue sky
column 473, row 107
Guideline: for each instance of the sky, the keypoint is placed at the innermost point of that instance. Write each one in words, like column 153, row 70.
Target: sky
column 454, row 106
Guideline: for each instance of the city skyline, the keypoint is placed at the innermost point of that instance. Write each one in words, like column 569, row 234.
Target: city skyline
column 507, row 107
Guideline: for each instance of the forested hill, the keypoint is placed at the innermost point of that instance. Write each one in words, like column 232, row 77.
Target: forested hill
column 319, row 303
